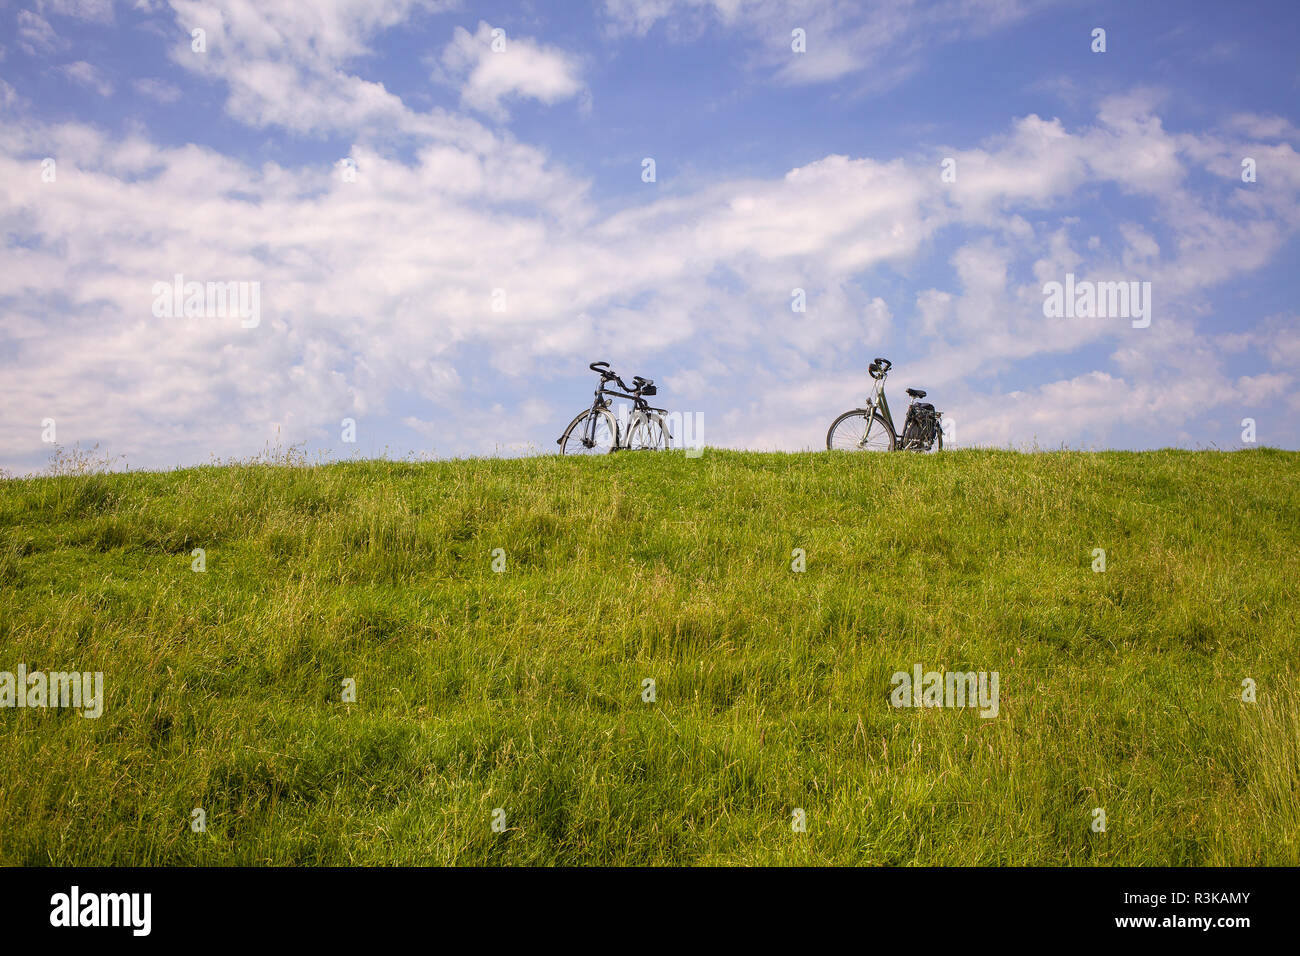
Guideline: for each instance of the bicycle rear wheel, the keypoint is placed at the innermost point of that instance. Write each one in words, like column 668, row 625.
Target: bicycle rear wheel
column 647, row 433
column 859, row 431
column 604, row 435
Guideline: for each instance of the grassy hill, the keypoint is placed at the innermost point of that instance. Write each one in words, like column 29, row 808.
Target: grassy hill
column 523, row 689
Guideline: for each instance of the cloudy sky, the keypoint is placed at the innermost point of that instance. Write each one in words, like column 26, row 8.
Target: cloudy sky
column 445, row 230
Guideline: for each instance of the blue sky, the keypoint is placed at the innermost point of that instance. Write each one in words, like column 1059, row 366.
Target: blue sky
column 520, row 169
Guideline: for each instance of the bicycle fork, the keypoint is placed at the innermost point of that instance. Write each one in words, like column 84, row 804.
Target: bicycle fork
column 876, row 400
column 589, row 430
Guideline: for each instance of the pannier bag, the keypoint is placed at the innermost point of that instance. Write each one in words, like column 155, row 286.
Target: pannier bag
column 921, row 424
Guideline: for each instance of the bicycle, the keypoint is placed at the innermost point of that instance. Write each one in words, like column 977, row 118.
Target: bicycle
column 872, row 428
column 596, row 431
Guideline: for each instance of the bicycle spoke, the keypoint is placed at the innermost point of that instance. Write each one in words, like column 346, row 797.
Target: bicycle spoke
column 585, row 437
column 646, row 434
column 856, row 431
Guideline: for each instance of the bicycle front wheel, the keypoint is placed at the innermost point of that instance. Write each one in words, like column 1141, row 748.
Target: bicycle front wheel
column 859, row 430
column 584, row 437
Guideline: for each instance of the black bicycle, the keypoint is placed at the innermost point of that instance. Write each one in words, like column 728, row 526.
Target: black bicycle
column 596, row 430
column 872, row 428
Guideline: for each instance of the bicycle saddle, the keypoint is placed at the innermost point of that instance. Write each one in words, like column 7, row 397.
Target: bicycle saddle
column 916, row 393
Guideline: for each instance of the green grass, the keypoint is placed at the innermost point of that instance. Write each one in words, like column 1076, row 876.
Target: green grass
column 522, row 689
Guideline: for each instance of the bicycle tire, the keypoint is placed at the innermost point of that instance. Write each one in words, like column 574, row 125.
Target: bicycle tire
column 572, row 442
column 851, row 440
column 647, row 433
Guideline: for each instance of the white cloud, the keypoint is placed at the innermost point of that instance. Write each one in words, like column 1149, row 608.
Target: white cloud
column 36, row 36
column 320, row 35
column 96, row 11
column 1259, row 389
column 355, row 316
column 283, row 63
column 88, row 76
column 520, row 67
column 882, row 40
column 1261, row 127
column 155, row 89
column 376, row 294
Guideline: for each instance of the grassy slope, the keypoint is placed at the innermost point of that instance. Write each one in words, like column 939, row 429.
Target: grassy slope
column 521, row 690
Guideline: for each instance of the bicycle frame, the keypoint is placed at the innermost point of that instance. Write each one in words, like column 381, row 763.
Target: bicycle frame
column 877, row 401
column 640, row 407
column 876, row 408
column 589, row 429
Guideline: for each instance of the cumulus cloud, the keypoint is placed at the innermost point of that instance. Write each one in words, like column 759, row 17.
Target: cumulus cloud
column 490, row 67
column 700, row 282
column 88, row 76
column 378, row 291
column 1260, row 127
column 284, row 64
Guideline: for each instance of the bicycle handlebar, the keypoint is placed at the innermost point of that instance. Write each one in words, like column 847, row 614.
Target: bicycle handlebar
column 880, row 367
column 607, row 374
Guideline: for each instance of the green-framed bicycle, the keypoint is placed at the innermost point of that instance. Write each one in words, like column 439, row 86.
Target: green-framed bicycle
column 872, row 428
